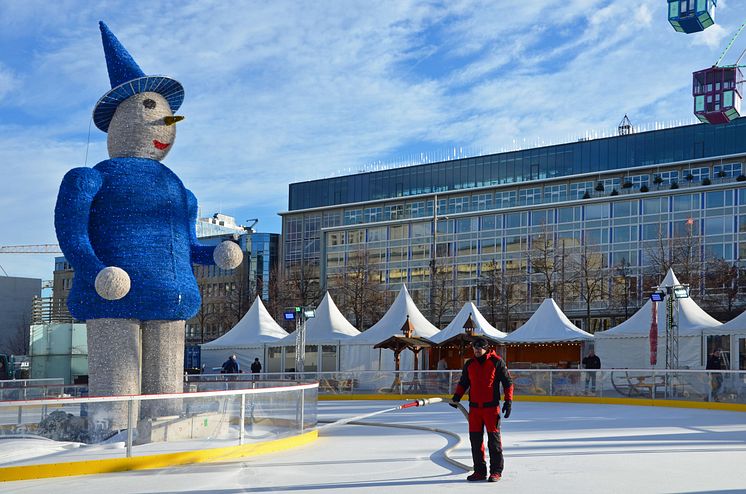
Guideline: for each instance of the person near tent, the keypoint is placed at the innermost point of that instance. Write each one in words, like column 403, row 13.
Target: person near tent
column 591, row 361
column 482, row 377
column 256, row 366
column 714, row 362
column 442, row 367
column 231, row 366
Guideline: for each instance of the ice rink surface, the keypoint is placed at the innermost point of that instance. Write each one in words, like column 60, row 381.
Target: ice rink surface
column 549, row 447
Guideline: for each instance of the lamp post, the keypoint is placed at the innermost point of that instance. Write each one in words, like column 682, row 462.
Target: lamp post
column 301, row 315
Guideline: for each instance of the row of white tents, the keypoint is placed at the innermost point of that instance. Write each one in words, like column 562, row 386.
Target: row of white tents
column 339, row 346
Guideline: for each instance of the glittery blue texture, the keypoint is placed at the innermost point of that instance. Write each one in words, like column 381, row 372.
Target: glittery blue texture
column 128, row 79
column 135, row 214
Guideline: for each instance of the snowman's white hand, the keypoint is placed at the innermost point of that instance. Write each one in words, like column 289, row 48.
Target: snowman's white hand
column 112, row 283
column 227, row 255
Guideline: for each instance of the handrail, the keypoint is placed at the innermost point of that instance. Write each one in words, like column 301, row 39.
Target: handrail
column 196, row 394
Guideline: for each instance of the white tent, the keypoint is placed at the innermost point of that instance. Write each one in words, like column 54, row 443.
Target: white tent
column 735, row 331
column 627, row 345
column 548, row 337
column 548, row 325
column 456, row 327
column 247, row 339
column 328, row 328
column 360, row 354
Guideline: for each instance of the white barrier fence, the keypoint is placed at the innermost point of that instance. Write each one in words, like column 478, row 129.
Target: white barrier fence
column 693, row 385
column 211, row 414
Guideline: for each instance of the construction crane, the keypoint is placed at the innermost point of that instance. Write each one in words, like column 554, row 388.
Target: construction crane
column 31, row 249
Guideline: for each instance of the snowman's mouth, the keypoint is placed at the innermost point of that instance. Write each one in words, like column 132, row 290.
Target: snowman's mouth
column 160, row 145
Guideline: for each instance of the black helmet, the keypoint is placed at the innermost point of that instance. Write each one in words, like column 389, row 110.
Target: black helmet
column 480, row 343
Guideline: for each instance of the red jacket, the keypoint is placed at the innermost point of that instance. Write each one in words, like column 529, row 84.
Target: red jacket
column 482, row 377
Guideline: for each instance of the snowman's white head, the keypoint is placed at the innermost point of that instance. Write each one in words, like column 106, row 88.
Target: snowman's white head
column 142, row 127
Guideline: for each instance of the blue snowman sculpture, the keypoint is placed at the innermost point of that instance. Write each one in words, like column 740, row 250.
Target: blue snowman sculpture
column 127, row 227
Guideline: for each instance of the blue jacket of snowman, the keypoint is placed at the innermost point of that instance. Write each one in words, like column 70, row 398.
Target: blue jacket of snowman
column 131, row 213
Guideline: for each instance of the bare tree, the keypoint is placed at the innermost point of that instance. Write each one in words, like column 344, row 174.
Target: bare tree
column 623, row 288
column 300, row 286
column 542, row 260
column 590, row 277
column 442, row 292
column 17, row 341
column 358, row 290
column 721, row 283
column 501, row 293
column 680, row 253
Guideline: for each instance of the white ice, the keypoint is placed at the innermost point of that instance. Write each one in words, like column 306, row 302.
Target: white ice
column 549, row 447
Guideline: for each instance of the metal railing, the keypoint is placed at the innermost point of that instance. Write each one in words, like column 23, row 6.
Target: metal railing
column 688, row 385
column 209, row 415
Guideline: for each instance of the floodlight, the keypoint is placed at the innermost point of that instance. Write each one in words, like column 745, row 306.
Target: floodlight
column 681, row 291
column 298, row 309
column 309, row 313
column 289, row 315
column 657, row 296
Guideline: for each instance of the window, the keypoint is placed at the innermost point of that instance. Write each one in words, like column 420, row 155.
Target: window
column 527, row 197
column 371, row 215
column 421, row 230
column 506, row 199
column 377, row 234
column 555, row 193
column 458, row 204
column 698, row 174
column 578, row 190
column 686, row 202
column 718, row 225
column 596, row 211
column 728, row 170
column 515, row 220
column 481, row 202
column 625, row 208
column 542, row 217
column 655, row 205
column 353, row 216
column 465, row 225
column 719, row 199
column 568, row 215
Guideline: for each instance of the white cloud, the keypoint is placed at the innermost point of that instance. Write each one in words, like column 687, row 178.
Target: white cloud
column 287, row 91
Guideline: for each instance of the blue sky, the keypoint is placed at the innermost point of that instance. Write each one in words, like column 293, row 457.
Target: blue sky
column 281, row 91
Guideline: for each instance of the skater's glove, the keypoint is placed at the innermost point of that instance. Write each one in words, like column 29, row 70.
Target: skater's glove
column 506, row 408
column 454, row 401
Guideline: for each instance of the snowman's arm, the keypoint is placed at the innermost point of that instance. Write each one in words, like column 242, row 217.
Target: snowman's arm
column 201, row 254
column 71, row 216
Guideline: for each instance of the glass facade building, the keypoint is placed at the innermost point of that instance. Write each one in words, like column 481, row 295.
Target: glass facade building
column 623, row 195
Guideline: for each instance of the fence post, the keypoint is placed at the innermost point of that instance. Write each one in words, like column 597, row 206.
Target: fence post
column 302, row 409
column 130, row 426
column 242, row 424
column 551, row 382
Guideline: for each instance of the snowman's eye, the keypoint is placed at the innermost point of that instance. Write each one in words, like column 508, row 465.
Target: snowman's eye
column 149, row 104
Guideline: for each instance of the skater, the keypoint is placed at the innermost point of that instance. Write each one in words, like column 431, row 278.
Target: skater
column 230, row 366
column 591, row 362
column 714, row 362
column 256, row 366
column 482, row 377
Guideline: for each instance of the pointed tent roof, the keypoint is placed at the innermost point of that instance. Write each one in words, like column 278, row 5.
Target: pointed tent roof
column 392, row 322
column 255, row 328
column 456, row 327
column 692, row 319
column 737, row 325
column 548, row 324
column 328, row 326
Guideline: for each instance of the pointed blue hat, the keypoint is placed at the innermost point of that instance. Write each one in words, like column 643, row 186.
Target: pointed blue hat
column 128, row 79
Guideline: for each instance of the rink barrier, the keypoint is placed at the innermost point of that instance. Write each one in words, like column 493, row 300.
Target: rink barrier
column 292, row 432
column 150, row 462
column 732, row 407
